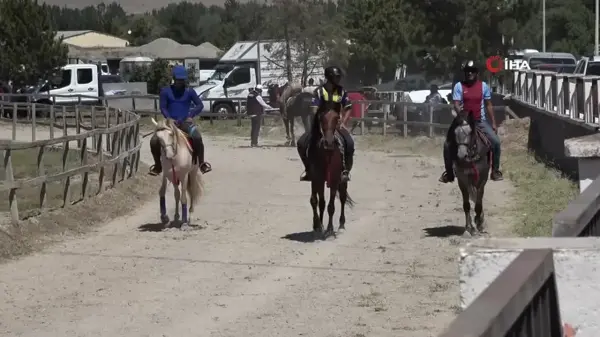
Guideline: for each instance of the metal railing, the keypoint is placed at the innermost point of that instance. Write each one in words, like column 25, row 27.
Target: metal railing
column 521, row 302
column 523, row 299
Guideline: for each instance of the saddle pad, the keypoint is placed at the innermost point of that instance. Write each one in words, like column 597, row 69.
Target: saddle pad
column 339, row 139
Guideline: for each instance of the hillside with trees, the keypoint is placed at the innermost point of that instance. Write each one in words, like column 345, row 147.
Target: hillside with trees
column 369, row 38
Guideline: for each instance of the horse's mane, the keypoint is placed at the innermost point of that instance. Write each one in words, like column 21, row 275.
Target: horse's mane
column 167, row 124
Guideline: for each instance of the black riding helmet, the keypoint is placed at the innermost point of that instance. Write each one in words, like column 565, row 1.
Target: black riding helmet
column 470, row 66
column 333, row 74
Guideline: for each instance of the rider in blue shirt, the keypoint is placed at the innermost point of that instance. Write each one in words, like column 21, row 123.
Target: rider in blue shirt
column 176, row 104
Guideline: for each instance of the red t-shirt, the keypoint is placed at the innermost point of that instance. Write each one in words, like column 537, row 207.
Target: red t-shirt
column 357, row 107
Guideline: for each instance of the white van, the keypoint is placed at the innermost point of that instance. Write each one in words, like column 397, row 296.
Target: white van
column 76, row 83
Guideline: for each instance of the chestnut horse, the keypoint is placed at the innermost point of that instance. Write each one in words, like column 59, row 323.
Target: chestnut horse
column 325, row 154
column 292, row 103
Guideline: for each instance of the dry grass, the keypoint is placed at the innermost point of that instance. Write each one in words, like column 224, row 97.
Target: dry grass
column 540, row 192
column 25, row 166
column 35, row 233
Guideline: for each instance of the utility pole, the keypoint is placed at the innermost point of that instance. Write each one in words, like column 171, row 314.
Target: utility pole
column 258, row 63
column 596, row 30
column 544, row 25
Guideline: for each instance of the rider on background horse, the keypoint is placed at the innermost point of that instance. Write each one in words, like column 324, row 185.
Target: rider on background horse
column 175, row 103
column 473, row 97
column 330, row 95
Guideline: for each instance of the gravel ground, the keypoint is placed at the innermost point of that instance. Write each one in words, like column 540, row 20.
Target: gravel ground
column 246, row 270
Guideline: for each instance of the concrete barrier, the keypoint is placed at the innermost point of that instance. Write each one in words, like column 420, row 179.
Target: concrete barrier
column 577, row 265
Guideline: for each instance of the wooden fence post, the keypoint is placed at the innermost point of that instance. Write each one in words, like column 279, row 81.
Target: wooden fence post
column 83, row 156
column 14, row 121
column 363, row 107
column 431, row 129
column 12, row 195
column 41, row 173
column 52, row 118
column 33, row 121
column 405, row 116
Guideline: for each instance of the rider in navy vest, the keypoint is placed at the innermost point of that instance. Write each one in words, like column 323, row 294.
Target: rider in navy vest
column 330, row 95
column 175, row 103
column 474, row 97
column 256, row 105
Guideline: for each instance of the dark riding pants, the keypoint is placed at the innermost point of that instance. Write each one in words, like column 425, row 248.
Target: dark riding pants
column 304, row 142
column 192, row 131
column 256, row 122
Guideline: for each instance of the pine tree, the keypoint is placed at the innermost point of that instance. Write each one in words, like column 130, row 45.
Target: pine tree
column 29, row 50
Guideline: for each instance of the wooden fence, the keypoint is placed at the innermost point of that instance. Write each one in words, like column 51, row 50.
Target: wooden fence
column 112, row 135
column 378, row 116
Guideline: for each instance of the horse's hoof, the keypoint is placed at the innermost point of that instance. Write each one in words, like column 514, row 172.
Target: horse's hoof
column 185, row 226
column 164, row 219
column 341, row 230
column 177, row 217
column 329, row 233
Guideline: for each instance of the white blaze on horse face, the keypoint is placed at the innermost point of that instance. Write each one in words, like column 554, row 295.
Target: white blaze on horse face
column 168, row 143
column 462, row 134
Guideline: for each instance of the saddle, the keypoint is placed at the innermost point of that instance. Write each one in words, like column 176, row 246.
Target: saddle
column 339, row 139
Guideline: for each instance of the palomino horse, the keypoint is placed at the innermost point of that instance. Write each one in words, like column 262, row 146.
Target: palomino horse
column 472, row 169
column 291, row 103
column 326, row 164
column 179, row 169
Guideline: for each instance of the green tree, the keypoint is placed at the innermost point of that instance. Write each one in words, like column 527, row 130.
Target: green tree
column 156, row 75
column 29, row 50
column 311, row 36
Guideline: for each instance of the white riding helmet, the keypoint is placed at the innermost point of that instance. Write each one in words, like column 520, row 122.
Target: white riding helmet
column 258, row 87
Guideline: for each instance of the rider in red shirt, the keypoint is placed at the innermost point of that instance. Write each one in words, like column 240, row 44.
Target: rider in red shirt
column 474, row 97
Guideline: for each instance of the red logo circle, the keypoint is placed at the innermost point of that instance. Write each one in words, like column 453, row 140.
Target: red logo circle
column 494, row 64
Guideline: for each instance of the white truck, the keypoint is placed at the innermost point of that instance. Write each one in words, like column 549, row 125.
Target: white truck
column 239, row 69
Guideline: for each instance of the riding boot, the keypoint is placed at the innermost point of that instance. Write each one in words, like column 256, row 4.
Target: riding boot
column 155, row 169
column 302, row 152
column 199, row 154
column 448, row 175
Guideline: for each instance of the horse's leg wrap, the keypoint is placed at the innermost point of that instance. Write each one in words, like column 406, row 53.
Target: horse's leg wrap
column 163, row 206
column 184, row 213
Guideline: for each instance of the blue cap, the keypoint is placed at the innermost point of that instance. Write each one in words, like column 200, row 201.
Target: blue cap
column 179, row 72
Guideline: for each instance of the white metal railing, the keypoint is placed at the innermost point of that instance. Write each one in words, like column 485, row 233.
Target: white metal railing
column 569, row 95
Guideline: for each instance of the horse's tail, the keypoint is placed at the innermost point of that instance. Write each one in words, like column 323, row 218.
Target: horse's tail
column 349, row 201
column 195, row 186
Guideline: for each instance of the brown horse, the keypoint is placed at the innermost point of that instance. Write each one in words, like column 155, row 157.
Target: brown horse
column 325, row 157
column 285, row 98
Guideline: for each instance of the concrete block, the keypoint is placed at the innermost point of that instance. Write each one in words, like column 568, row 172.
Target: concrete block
column 577, row 265
column 587, row 151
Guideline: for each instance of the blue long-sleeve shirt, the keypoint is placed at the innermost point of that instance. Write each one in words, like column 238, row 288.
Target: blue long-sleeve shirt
column 179, row 108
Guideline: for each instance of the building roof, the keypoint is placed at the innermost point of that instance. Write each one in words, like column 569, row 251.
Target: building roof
column 65, row 34
column 168, row 49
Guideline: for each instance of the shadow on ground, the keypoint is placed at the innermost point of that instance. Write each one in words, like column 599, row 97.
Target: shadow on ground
column 304, row 237
column 159, row 227
column 444, row 231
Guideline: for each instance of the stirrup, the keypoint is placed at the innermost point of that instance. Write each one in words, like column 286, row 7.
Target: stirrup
column 153, row 171
column 205, row 167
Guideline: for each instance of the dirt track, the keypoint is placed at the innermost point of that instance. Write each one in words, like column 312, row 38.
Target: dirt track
column 235, row 274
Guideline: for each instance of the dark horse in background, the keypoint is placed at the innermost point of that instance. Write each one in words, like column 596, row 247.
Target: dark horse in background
column 325, row 162
column 472, row 168
column 292, row 103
